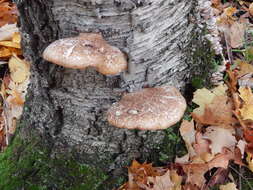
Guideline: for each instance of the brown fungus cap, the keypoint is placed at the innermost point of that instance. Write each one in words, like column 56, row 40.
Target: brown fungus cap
column 148, row 109
column 86, row 50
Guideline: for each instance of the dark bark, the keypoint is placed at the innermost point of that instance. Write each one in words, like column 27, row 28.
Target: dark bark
column 66, row 107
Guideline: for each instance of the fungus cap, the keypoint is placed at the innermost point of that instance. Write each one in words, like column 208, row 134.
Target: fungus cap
column 86, row 50
column 148, row 109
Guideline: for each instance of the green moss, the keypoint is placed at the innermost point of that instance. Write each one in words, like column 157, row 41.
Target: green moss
column 28, row 165
column 173, row 145
column 203, row 60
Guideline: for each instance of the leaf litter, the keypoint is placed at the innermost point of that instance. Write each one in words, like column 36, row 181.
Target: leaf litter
column 221, row 130
column 15, row 81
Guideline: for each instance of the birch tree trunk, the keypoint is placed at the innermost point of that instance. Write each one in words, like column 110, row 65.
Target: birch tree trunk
column 67, row 108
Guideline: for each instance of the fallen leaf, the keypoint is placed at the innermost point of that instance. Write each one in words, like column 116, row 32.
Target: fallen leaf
column 138, row 173
column 188, row 132
column 203, row 97
column 10, row 44
column 248, row 135
column 16, row 38
column 7, row 31
column 160, row 182
column 220, row 138
column 236, row 34
column 249, row 160
column 219, row 177
column 218, row 112
column 245, row 68
column 202, row 148
column 7, row 52
column 216, row 3
column 242, row 145
column 176, row 179
column 195, row 172
column 8, row 13
column 226, row 18
column 251, row 9
column 229, row 186
column 247, row 108
column 19, row 69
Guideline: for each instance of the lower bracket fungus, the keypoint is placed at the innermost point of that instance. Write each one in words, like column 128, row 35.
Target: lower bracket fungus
column 86, row 50
column 148, row 109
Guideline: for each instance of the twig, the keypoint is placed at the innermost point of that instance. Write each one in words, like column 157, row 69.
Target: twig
column 229, row 53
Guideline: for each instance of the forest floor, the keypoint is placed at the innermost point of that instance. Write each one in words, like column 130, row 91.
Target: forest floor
column 212, row 148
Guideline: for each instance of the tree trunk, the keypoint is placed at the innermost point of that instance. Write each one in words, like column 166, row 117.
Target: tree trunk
column 67, row 108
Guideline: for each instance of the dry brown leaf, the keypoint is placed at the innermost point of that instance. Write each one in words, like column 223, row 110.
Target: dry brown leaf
column 202, row 148
column 216, row 3
column 226, row 18
column 160, row 182
column 17, row 98
column 10, row 44
column 232, row 81
column 236, row 34
column 241, row 145
column 247, row 108
column 248, row 135
column 7, row 31
column 188, row 132
column 245, row 68
column 176, row 179
column 220, row 138
column 219, row 177
column 203, row 97
column 16, row 38
column 7, row 52
column 8, row 13
column 251, row 9
column 229, row 186
column 138, row 173
column 19, row 69
column 218, row 112
column 195, row 172
column 249, row 160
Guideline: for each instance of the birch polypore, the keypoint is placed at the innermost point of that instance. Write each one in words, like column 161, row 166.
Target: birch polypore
column 86, row 50
column 148, row 109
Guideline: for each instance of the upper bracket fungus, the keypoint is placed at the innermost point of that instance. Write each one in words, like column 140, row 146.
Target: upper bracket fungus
column 148, row 109
column 86, row 50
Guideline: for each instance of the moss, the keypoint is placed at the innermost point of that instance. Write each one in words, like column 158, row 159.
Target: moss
column 173, row 145
column 28, row 165
column 202, row 60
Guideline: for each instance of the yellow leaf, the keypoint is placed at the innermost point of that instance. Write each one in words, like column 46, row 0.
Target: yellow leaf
column 10, row 44
column 247, row 111
column 245, row 68
column 7, row 52
column 251, row 9
column 247, row 108
column 203, row 97
column 230, row 11
column 17, row 99
column 250, row 161
column 229, row 186
column 176, row 179
column 16, row 38
column 19, row 69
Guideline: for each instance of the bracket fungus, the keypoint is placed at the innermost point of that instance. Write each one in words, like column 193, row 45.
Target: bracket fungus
column 86, row 50
column 148, row 109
